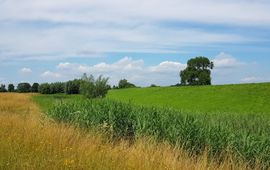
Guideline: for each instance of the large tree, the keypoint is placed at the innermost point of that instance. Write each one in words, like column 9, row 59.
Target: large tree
column 3, row 88
column 24, row 87
column 34, row 87
column 198, row 72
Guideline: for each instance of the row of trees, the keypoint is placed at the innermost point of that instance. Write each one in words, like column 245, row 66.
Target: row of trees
column 87, row 85
column 21, row 88
column 70, row 87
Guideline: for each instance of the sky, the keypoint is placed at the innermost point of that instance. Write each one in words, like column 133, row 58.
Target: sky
column 144, row 41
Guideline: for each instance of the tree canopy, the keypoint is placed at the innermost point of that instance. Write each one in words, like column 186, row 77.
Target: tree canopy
column 24, row 88
column 34, row 87
column 198, row 72
column 11, row 88
column 125, row 84
column 3, row 88
column 94, row 88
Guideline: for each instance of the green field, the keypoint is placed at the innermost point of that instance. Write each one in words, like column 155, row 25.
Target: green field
column 228, row 119
column 244, row 98
column 223, row 119
column 47, row 101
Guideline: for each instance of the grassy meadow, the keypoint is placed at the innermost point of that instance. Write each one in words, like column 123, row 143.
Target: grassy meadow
column 28, row 140
column 241, row 98
column 210, row 127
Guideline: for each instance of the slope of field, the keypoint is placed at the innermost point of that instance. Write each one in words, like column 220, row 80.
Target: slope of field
column 243, row 98
column 28, row 141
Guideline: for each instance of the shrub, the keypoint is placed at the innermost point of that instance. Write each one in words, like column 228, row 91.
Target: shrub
column 92, row 88
column 24, row 88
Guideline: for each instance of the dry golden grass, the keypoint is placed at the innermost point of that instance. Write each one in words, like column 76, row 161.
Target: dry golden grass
column 29, row 142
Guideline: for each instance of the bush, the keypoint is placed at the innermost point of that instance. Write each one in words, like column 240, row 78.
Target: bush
column 73, row 87
column 92, row 88
column 125, row 84
column 44, row 88
column 24, row 88
column 34, row 87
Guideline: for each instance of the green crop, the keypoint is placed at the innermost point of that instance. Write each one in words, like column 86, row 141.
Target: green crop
column 246, row 137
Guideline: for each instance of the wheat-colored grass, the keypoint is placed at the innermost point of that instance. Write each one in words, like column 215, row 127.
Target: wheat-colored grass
column 27, row 141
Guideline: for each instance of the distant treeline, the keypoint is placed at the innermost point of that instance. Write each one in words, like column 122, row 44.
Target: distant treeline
column 75, row 86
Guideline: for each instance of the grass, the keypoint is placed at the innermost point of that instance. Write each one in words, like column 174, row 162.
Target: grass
column 46, row 101
column 28, row 141
column 243, row 98
column 245, row 137
column 168, row 124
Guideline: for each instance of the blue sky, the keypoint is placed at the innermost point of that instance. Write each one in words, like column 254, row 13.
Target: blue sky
column 144, row 41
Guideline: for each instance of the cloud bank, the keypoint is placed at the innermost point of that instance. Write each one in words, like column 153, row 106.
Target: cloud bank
column 165, row 73
column 42, row 30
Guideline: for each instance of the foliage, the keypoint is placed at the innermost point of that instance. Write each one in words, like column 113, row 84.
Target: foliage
column 11, row 88
column 245, row 136
column 3, row 88
column 92, row 88
column 58, row 87
column 198, row 72
column 24, row 88
column 34, row 87
column 44, row 88
column 153, row 85
column 73, row 86
column 125, row 84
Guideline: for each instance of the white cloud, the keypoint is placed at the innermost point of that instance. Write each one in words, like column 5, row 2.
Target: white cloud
column 48, row 75
column 61, row 29
column 228, row 69
column 130, row 11
column 91, row 41
column 165, row 73
column 2, row 80
column 168, row 66
column 251, row 79
column 226, row 61
column 26, row 71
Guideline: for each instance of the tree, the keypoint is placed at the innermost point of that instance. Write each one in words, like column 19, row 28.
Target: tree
column 73, row 87
column 3, row 88
column 198, row 72
column 58, row 87
column 34, row 87
column 92, row 88
column 153, row 85
column 44, row 88
column 11, row 88
column 24, row 88
column 125, row 84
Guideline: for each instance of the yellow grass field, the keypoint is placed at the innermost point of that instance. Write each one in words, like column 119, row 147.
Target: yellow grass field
column 30, row 141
